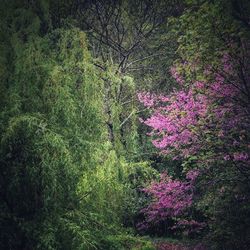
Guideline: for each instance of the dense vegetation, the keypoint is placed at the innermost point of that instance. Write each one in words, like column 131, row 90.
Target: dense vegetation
column 123, row 121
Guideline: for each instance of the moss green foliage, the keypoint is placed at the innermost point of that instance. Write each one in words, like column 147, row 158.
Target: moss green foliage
column 63, row 184
column 121, row 111
column 206, row 31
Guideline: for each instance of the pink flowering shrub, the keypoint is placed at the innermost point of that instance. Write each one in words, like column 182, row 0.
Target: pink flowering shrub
column 183, row 122
column 173, row 120
column 202, row 121
column 171, row 199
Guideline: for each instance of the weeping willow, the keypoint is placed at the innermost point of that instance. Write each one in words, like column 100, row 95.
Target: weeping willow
column 63, row 185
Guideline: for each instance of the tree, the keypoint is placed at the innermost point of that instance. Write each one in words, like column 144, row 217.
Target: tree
column 205, row 123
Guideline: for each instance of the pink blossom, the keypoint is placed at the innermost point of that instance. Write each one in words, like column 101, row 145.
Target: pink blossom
column 226, row 157
column 240, row 156
column 176, row 76
column 170, row 197
column 146, row 98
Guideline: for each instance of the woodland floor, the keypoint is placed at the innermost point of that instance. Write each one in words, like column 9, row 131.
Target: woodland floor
column 169, row 244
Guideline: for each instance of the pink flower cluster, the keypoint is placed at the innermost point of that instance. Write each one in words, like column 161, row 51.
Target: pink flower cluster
column 171, row 197
column 237, row 156
column 146, row 98
column 181, row 120
column 240, row 156
column 176, row 75
column 174, row 121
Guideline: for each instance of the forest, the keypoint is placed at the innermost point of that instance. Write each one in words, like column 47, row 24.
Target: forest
column 125, row 125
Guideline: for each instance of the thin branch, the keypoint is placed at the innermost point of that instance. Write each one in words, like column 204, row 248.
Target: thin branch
column 127, row 119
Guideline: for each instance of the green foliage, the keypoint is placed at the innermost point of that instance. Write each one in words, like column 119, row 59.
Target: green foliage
column 206, row 31
column 121, row 111
column 73, row 157
column 111, row 190
column 125, row 241
column 64, row 185
column 35, row 164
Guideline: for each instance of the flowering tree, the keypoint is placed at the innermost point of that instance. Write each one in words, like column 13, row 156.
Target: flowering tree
column 185, row 121
column 206, row 123
column 172, row 199
column 202, row 121
column 177, row 196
